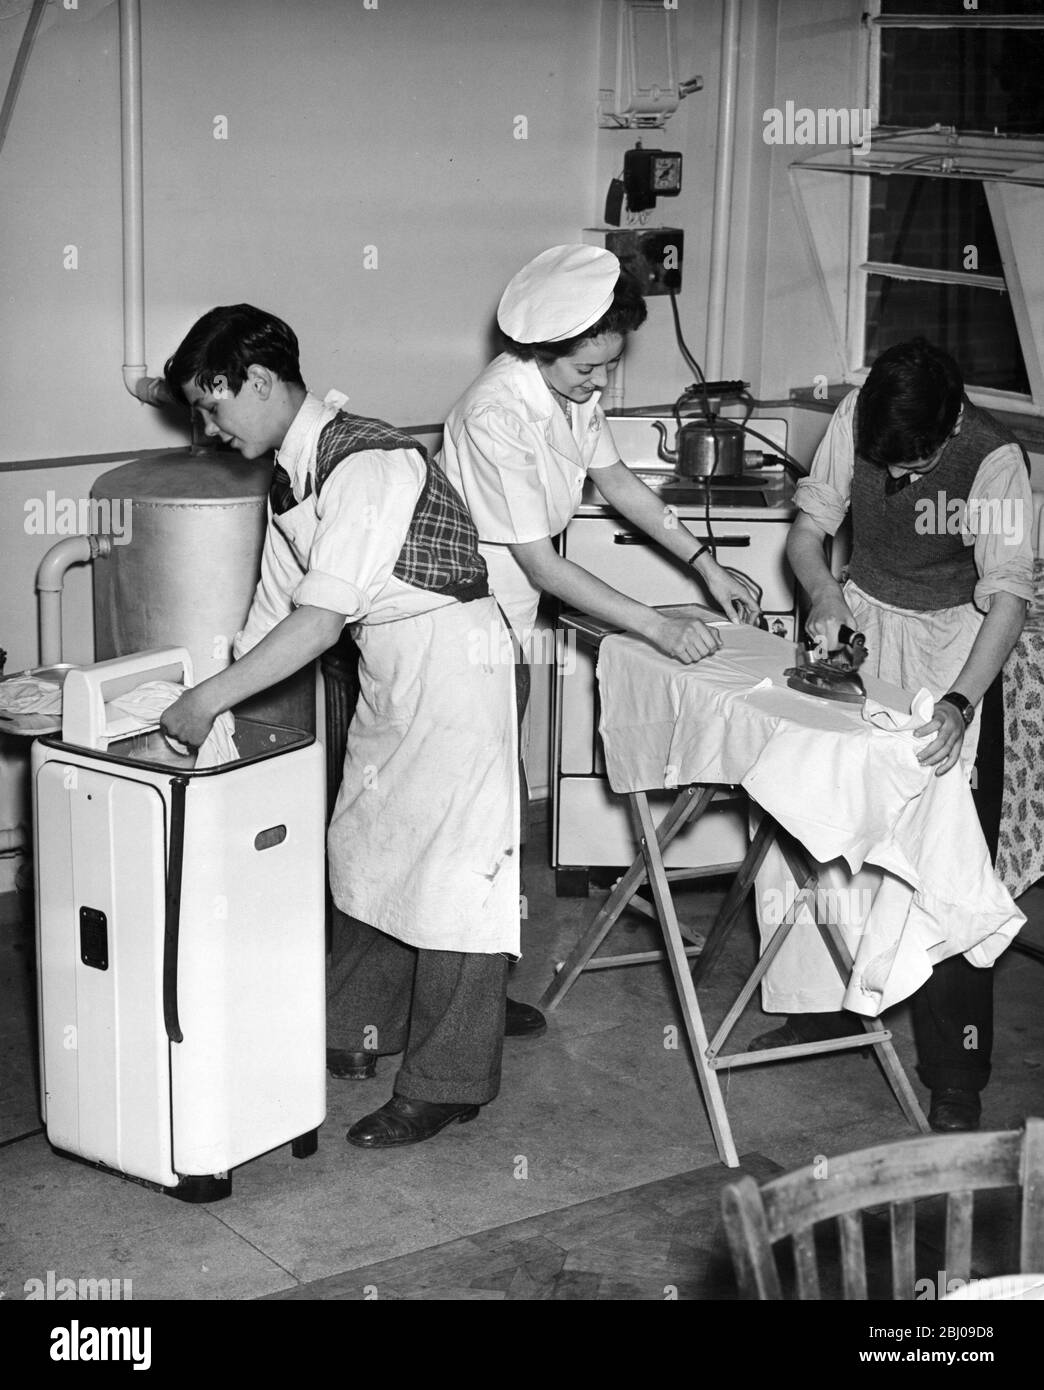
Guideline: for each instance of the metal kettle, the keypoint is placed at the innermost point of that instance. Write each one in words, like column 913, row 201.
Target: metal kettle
column 702, row 449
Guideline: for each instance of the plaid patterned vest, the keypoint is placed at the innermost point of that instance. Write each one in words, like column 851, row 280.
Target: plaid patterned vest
column 440, row 552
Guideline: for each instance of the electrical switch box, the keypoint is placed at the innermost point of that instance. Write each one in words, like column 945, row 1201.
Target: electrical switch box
column 653, row 255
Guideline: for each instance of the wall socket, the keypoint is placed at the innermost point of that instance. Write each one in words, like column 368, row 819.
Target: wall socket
column 653, row 255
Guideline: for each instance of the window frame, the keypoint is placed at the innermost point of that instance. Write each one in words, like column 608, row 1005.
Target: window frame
column 1007, row 191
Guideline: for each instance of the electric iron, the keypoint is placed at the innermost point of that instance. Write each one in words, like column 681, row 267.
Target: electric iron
column 834, row 676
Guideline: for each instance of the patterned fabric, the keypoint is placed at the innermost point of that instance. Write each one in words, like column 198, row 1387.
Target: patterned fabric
column 1020, row 850
column 281, row 492
column 440, row 553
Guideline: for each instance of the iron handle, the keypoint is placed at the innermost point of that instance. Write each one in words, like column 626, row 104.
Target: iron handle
column 845, row 637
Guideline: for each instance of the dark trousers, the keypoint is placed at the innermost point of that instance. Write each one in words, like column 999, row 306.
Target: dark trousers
column 444, row 1009
column 953, row 1009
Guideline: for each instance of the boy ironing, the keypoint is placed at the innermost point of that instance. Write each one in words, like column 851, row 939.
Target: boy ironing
column 940, row 574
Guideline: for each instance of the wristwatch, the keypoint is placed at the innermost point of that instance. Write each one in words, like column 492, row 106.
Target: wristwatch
column 964, row 707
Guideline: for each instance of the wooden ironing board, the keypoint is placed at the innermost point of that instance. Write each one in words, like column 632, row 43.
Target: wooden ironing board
column 648, row 867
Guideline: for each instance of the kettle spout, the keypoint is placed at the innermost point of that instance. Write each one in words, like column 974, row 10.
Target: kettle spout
column 668, row 455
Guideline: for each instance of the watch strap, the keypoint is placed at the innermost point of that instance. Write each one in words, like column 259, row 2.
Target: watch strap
column 961, row 704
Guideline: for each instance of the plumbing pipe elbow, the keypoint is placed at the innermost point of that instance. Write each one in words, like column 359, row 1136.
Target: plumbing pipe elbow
column 153, row 390
column 74, row 550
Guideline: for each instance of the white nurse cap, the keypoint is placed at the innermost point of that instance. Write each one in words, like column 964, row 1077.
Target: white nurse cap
column 559, row 294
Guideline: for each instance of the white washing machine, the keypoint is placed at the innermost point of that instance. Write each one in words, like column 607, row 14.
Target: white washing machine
column 180, row 939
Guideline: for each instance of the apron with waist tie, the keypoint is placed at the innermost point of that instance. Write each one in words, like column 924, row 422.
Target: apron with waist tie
column 423, row 841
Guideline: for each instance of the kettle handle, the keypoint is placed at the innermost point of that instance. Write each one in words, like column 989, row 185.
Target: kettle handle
column 662, row 451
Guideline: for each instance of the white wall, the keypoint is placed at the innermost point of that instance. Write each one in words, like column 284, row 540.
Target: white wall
column 348, row 128
column 820, row 62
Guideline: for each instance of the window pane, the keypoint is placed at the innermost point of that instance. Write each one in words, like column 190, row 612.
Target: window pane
column 974, row 79
column 974, row 325
column 931, row 222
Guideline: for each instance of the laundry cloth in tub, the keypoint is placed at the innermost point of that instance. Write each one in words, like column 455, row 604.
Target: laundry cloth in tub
column 147, row 702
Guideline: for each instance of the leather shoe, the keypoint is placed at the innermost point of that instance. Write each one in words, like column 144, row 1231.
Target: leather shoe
column 954, row 1111
column 403, row 1121
column 351, row 1066
column 523, row 1021
column 805, row 1028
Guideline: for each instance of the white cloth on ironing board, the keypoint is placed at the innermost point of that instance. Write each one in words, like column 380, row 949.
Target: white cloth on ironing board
column 900, row 849
column 908, row 649
column 149, row 700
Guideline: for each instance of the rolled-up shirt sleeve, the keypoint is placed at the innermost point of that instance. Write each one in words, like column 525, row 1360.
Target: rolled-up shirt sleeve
column 605, row 451
column 280, row 575
column 497, row 454
column 826, row 493
column 363, row 516
column 999, row 523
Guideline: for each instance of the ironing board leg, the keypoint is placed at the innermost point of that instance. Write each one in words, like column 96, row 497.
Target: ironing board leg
column 675, row 946
column 688, row 805
column 734, row 899
column 895, row 1074
column 805, row 888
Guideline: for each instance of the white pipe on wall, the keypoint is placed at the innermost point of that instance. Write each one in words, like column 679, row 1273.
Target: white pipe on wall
column 50, row 578
column 720, row 217
column 152, row 390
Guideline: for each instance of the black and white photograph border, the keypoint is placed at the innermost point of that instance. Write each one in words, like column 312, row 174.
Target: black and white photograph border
column 492, row 806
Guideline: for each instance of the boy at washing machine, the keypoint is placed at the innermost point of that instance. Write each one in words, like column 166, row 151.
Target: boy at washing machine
column 365, row 530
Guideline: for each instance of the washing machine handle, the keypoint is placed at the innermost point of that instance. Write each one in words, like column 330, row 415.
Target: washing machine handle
column 87, row 718
column 172, row 908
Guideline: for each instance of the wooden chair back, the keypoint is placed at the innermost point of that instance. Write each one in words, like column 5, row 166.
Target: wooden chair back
column 758, row 1218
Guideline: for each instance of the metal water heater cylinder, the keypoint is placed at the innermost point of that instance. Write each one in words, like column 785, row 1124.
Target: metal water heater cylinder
column 185, row 569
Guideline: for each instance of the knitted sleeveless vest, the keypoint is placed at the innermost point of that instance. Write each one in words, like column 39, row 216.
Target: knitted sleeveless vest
column 907, row 548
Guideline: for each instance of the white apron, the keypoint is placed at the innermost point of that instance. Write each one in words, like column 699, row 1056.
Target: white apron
column 911, row 650
column 423, row 843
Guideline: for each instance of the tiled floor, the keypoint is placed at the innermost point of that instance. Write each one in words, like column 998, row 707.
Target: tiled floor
column 661, row 1240
column 595, row 1108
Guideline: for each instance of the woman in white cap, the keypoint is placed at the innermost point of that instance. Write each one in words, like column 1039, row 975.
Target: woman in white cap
column 519, row 444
